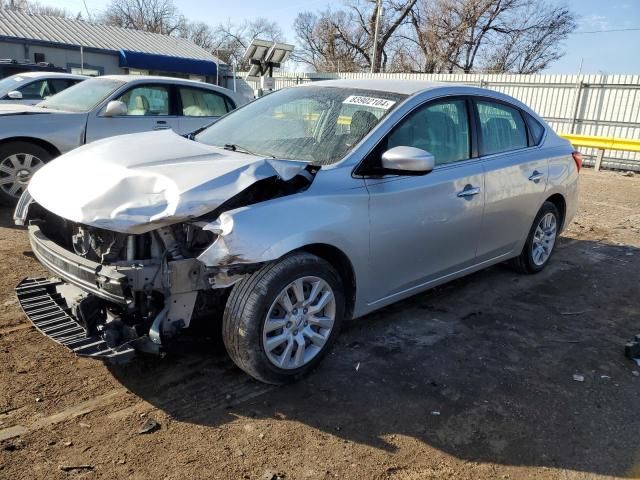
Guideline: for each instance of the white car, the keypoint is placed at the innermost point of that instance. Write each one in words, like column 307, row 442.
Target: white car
column 29, row 88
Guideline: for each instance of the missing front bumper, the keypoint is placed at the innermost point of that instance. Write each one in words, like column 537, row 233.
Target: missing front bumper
column 45, row 306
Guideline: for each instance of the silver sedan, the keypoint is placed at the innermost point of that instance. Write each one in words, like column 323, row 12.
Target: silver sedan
column 29, row 88
column 304, row 208
column 100, row 107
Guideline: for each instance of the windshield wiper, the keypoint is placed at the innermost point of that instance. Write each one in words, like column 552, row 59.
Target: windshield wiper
column 234, row 147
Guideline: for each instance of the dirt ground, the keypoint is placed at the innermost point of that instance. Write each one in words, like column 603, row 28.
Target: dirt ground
column 471, row 380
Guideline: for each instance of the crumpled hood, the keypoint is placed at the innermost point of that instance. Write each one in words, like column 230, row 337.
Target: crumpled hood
column 136, row 183
column 20, row 109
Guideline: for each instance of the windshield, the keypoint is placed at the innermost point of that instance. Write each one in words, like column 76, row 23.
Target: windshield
column 83, row 96
column 313, row 124
column 10, row 83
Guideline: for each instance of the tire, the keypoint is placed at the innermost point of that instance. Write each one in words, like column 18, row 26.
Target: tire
column 18, row 162
column 528, row 261
column 258, row 296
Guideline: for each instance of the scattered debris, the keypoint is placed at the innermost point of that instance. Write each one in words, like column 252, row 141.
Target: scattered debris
column 605, row 377
column 68, row 468
column 84, row 425
column 435, row 412
column 11, row 432
column 261, row 436
column 38, row 399
column 13, row 446
column 269, row 475
column 149, row 426
column 68, row 444
column 636, row 373
column 578, row 377
column 632, row 349
column 240, row 453
column 628, row 173
column 358, row 366
column 573, row 313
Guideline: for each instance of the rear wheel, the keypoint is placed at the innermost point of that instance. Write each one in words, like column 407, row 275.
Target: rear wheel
column 18, row 162
column 280, row 321
column 541, row 241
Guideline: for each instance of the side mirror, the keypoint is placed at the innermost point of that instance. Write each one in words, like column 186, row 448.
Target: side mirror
column 15, row 95
column 408, row 160
column 115, row 108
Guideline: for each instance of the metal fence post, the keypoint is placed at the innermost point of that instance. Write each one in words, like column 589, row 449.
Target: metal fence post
column 599, row 158
column 576, row 107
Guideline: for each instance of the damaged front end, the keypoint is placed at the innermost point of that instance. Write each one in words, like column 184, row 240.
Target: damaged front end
column 115, row 293
column 118, row 292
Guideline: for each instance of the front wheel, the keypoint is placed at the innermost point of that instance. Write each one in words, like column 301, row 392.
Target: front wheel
column 18, row 162
column 281, row 320
column 541, row 240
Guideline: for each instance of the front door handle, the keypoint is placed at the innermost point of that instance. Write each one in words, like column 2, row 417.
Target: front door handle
column 536, row 176
column 161, row 127
column 469, row 191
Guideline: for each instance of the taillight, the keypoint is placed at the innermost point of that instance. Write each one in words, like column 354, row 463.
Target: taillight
column 577, row 157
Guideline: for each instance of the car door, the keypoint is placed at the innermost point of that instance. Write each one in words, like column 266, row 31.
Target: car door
column 199, row 107
column 149, row 107
column 424, row 228
column 515, row 177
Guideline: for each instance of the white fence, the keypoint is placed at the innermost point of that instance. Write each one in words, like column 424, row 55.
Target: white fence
column 598, row 105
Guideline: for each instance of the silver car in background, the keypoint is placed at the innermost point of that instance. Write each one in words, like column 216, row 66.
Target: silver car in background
column 29, row 88
column 98, row 108
column 309, row 206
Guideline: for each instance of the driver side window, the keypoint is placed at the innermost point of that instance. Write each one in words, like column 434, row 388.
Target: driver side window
column 441, row 128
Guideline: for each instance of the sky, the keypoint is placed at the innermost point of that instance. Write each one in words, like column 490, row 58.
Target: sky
column 601, row 52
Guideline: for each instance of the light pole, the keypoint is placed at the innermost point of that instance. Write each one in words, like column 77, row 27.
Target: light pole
column 375, row 34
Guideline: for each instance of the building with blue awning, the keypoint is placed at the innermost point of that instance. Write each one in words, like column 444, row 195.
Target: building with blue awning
column 105, row 49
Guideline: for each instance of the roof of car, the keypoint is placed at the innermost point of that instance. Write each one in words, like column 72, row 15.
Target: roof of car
column 406, row 87
column 183, row 81
column 146, row 78
column 49, row 75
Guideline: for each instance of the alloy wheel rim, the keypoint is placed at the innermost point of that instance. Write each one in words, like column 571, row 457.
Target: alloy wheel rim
column 544, row 239
column 15, row 172
column 299, row 323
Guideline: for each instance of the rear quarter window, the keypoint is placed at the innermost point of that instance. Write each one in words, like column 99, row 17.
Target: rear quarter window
column 535, row 129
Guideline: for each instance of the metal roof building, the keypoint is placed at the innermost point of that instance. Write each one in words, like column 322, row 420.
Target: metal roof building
column 106, row 50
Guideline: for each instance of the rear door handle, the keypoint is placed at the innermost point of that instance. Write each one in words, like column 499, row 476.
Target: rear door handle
column 536, row 176
column 469, row 191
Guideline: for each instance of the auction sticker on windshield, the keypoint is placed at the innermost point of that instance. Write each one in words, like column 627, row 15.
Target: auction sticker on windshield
column 369, row 102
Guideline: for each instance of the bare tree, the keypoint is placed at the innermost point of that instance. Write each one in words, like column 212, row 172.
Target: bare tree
column 156, row 16
column 36, row 8
column 199, row 33
column 535, row 41
column 501, row 35
column 320, row 44
column 348, row 35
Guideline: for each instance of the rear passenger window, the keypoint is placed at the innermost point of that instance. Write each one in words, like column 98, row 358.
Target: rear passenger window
column 441, row 129
column 202, row 103
column 502, row 128
column 56, row 85
column 147, row 100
